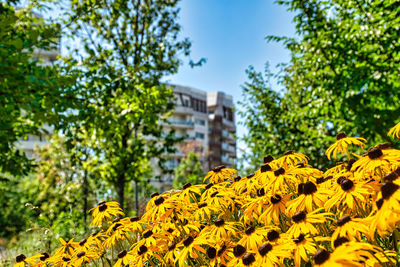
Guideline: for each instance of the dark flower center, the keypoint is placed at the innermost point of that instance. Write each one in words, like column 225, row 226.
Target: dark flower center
column 101, row 203
column 147, row 234
column 66, row 259
column 45, row 256
column 264, row 249
column 279, row 171
column 268, row 159
column 94, row 234
column 340, row 241
column 276, row 199
column 321, row 256
column 116, row 226
column 320, row 180
column 202, row 205
column 248, row 259
column 374, row 153
column 187, row 185
column 20, row 257
column 384, row 146
column 350, row 164
column 122, row 254
column 208, row 186
column 244, row 190
column 237, row 178
column 339, row 163
column 250, row 175
column 171, row 247
column 211, row 252
column 272, row 235
column 249, row 230
column 342, row 221
column 299, row 239
column 341, row 135
column 289, row 152
column 221, row 250
column 340, row 179
column 188, row 240
column 102, row 207
column 82, row 242
column 300, row 188
column 155, row 194
column 379, row 203
column 260, row 192
column 347, row 184
column 397, row 171
column 300, row 165
column 218, row 168
column 214, row 194
column 309, row 188
column 170, row 230
column 159, row 201
column 219, row 222
column 239, row 250
column 391, row 177
column 142, row 250
column 134, row 219
column 388, row 189
column 265, row 168
column 81, row 254
column 299, row 216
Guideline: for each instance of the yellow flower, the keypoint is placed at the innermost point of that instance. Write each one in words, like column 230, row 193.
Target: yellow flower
column 123, row 259
column 303, row 246
column 220, row 174
column 395, row 131
column 343, row 143
column 67, row 248
column 190, row 246
column 105, row 210
column 305, row 223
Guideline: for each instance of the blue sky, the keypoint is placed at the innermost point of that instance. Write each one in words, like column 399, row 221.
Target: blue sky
column 230, row 35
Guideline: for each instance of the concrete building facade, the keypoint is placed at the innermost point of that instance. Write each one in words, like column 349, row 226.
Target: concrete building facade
column 206, row 121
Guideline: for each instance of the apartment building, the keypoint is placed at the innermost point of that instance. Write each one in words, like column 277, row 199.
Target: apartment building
column 206, row 121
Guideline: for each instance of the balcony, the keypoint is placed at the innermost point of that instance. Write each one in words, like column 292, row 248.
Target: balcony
column 228, row 148
column 229, row 124
column 183, row 110
column 180, row 123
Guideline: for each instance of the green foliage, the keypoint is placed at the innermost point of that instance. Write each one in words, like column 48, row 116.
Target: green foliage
column 188, row 171
column 127, row 47
column 343, row 76
column 31, row 94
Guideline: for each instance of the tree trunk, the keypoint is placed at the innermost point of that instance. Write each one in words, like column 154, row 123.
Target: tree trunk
column 137, row 198
column 121, row 189
column 85, row 191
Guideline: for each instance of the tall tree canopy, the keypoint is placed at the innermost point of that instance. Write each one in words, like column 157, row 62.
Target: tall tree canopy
column 343, row 75
column 128, row 46
column 31, row 93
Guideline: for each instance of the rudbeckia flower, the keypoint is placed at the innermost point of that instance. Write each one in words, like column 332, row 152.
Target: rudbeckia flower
column 105, row 210
column 220, row 174
column 67, row 248
column 271, row 255
column 252, row 238
column 310, row 196
column 342, row 145
column 350, row 228
column 220, row 230
column 22, row 260
column 290, row 159
column 303, row 246
column 190, row 246
column 275, row 209
column 124, row 258
column 374, row 162
column 353, row 196
column 305, row 222
column 395, row 131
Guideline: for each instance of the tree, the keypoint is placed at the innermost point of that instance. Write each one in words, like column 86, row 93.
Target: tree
column 31, row 93
column 343, row 76
column 128, row 46
column 188, row 171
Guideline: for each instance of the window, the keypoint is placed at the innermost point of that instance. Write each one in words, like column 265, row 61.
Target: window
column 200, row 122
column 200, row 135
